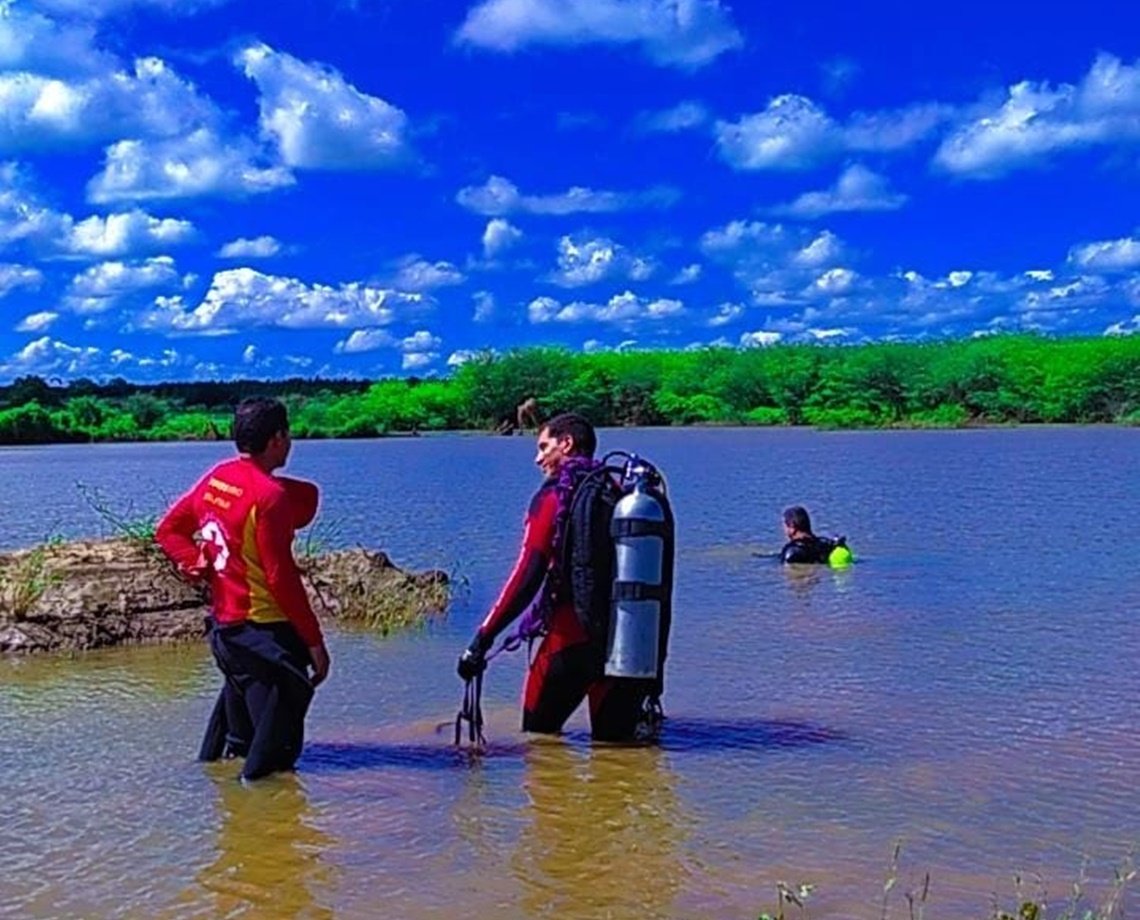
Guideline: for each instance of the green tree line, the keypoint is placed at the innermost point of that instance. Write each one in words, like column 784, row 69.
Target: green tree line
column 991, row 380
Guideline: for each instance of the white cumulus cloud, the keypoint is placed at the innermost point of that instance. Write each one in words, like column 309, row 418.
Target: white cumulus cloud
column 152, row 102
column 1036, row 120
column 363, row 340
column 317, row 119
column 499, row 236
column 261, row 247
column 14, row 276
column 681, row 33
column 726, row 313
column 623, row 308
column 759, row 339
column 857, row 189
column 45, row 356
column 588, row 261
column 688, row 274
column 461, row 357
column 834, row 282
column 498, row 197
column 24, row 218
column 793, row 132
column 416, row 274
column 199, row 164
column 421, row 341
column 484, row 306
column 124, row 233
column 682, row 117
column 37, row 322
column 30, row 41
column 418, row 360
column 1107, row 255
column 101, row 286
column 242, row 298
column 777, row 263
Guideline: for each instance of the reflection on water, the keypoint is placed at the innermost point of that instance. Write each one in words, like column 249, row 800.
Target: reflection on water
column 165, row 673
column 712, row 735
column 804, row 579
column 340, row 757
column 968, row 687
column 602, row 835
column 269, row 854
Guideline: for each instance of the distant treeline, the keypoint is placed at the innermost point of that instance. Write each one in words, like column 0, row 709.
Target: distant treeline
column 992, row 380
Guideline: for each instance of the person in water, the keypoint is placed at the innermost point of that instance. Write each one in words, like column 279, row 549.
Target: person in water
column 568, row 666
column 234, row 530
column 803, row 546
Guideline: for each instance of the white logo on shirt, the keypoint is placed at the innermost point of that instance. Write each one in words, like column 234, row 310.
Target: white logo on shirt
column 211, row 533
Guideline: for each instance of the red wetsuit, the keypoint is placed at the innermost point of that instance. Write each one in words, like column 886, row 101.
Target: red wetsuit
column 239, row 522
column 567, row 666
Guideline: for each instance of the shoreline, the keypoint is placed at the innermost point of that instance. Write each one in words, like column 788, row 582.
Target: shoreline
column 702, row 426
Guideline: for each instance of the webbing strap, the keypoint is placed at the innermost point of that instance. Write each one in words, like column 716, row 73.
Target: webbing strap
column 637, row 591
column 638, row 527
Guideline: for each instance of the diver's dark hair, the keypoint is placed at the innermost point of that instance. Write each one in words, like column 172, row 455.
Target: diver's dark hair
column 797, row 518
column 573, row 424
column 256, row 420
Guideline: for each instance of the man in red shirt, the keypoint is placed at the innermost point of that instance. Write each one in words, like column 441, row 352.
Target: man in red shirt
column 234, row 529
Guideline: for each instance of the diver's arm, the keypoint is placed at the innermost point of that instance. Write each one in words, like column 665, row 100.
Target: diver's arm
column 796, row 552
column 521, row 587
column 811, row 549
column 528, row 574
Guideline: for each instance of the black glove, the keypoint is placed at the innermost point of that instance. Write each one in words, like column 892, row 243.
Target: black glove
column 473, row 661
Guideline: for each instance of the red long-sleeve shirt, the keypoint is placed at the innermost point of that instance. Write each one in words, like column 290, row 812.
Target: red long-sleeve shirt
column 239, row 522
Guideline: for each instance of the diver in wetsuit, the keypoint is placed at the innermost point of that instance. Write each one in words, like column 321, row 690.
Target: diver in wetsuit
column 234, row 530
column 803, row 546
column 568, row 666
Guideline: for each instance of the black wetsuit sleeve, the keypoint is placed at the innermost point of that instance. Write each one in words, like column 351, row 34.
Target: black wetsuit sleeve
column 791, row 552
column 806, row 550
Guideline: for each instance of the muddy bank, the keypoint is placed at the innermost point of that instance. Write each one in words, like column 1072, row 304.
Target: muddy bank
column 86, row 595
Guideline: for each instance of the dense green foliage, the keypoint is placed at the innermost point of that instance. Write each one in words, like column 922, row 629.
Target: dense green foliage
column 996, row 380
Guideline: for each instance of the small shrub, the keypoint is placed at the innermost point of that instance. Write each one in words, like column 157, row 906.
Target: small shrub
column 766, row 416
column 944, row 416
column 24, row 581
column 842, row 418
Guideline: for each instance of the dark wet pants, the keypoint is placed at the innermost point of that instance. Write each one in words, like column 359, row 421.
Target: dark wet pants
column 260, row 712
column 562, row 675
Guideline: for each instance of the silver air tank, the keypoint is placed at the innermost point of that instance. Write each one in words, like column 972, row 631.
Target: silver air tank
column 638, row 528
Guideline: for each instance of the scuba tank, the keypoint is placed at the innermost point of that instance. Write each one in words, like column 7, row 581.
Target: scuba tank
column 641, row 609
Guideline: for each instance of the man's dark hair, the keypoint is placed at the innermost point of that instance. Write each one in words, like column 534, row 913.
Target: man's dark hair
column 256, row 420
column 797, row 518
column 573, row 424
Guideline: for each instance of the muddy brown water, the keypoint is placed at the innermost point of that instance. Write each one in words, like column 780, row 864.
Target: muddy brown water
column 969, row 689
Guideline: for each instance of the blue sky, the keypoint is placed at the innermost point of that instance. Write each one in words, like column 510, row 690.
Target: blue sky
column 208, row 189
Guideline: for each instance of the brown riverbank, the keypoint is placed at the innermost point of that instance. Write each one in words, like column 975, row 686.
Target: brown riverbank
column 93, row 594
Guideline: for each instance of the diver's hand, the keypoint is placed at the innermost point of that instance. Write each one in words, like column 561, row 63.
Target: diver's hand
column 473, row 661
column 319, row 656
